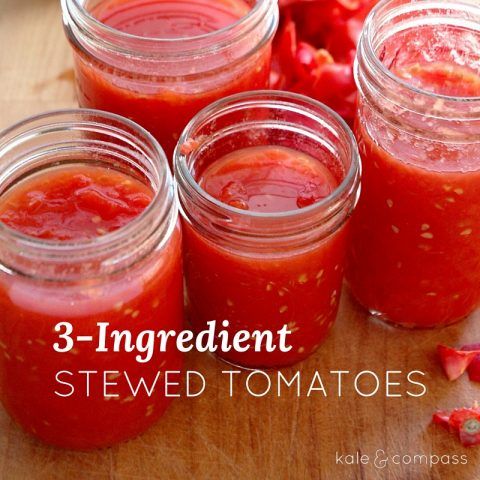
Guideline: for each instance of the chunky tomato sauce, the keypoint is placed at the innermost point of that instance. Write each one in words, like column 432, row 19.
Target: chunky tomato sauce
column 75, row 203
column 158, row 97
column 68, row 204
column 264, row 291
column 416, row 254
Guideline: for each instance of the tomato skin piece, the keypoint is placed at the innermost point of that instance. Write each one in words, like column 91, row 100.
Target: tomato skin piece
column 455, row 362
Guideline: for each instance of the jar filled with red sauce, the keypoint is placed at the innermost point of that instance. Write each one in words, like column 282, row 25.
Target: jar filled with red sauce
column 415, row 258
column 159, row 62
column 267, row 182
column 89, row 233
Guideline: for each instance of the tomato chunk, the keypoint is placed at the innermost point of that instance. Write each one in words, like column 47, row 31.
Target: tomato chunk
column 455, row 362
column 74, row 203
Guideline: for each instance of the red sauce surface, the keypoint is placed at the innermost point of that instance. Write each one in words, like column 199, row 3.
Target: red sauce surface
column 74, row 203
column 416, row 254
column 170, row 19
column 268, row 179
column 164, row 101
column 266, row 290
column 148, row 296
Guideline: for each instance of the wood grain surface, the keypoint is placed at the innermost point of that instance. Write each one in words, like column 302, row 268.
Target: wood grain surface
column 244, row 437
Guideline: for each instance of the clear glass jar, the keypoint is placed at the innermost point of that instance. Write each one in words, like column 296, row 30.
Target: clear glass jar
column 130, row 278
column 416, row 255
column 161, row 83
column 261, row 271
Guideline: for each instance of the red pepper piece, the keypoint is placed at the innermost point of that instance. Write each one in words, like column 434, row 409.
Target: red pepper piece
column 455, row 362
column 474, row 367
column 464, row 422
column 470, row 431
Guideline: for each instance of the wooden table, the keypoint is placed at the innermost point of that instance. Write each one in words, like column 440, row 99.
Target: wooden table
column 218, row 437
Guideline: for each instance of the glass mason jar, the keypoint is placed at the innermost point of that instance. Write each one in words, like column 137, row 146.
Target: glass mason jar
column 415, row 261
column 161, row 83
column 130, row 278
column 261, row 271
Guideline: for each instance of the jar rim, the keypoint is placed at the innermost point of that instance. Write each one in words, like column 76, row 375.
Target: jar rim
column 280, row 98
column 126, row 35
column 160, row 211
column 366, row 46
column 74, row 11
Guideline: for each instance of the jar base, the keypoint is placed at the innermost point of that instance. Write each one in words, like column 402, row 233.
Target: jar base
column 251, row 368
column 377, row 316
